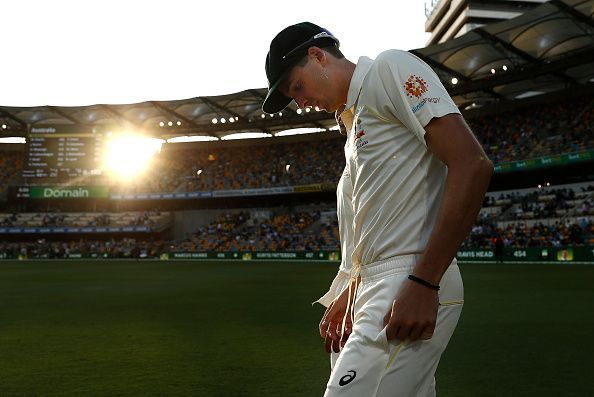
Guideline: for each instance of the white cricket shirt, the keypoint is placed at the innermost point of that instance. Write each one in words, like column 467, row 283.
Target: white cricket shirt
column 344, row 210
column 397, row 182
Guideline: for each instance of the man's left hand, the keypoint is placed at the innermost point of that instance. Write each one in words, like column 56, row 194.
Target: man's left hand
column 413, row 314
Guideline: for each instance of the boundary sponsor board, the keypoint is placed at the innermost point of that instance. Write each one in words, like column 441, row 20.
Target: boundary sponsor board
column 58, row 230
column 77, row 192
column 531, row 254
column 578, row 254
column 543, row 162
column 257, row 255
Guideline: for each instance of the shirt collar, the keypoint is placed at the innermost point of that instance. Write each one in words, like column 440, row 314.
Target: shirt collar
column 363, row 66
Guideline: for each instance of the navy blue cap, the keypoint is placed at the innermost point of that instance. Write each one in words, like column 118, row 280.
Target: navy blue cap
column 286, row 50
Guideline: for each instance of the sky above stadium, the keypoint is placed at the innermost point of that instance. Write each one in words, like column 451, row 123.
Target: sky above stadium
column 69, row 53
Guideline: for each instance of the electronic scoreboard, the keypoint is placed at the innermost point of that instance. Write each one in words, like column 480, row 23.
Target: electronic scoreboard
column 63, row 151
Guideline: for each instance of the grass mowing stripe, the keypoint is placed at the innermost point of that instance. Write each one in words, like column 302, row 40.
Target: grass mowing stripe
column 248, row 329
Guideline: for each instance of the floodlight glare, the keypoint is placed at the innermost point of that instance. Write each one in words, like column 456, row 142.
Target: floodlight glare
column 179, row 122
column 492, row 71
column 299, row 111
column 223, row 120
column 454, row 81
column 161, row 124
column 170, row 123
column 125, row 163
column 214, row 121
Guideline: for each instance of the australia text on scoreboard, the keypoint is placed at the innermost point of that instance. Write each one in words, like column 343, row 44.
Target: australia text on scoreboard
column 63, row 151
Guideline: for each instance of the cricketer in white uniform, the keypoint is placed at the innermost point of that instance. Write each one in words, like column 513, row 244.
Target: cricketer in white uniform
column 418, row 179
column 344, row 210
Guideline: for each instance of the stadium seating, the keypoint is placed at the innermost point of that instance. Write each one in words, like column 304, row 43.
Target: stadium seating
column 11, row 164
column 555, row 128
column 153, row 219
column 561, row 127
column 114, row 248
column 280, row 232
column 549, row 217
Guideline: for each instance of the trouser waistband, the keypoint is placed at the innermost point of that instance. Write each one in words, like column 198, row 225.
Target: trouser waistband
column 394, row 265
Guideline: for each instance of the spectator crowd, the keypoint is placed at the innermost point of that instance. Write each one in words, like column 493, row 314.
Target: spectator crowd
column 312, row 230
column 558, row 127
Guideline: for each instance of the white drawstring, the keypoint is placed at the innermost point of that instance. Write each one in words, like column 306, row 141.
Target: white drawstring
column 353, row 277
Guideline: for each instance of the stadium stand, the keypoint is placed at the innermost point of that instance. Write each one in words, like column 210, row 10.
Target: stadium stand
column 559, row 127
column 244, row 167
column 553, row 129
column 546, row 217
column 11, row 164
column 524, row 98
column 155, row 220
column 549, row 217
column 114, row 248
column 301, row 231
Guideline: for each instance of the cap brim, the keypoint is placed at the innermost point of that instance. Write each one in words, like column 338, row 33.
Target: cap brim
column 275, row 101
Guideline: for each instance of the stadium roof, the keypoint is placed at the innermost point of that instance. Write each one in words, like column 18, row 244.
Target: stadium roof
column 547, row 49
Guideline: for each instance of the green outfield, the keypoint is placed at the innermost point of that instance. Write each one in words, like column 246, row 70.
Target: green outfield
column 173, row 328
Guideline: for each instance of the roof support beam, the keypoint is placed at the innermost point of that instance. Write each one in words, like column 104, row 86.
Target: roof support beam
column 120, row 116
column 458, row 75
column 437, row 65
column 213, row 104
column 173, row 113
column 66, row 116
column 515, row 50
column 573, row 12
column 527, row 73
column 4, row 113
column 508, row 46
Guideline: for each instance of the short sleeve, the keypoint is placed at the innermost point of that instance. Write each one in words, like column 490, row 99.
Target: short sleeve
column 413, row 92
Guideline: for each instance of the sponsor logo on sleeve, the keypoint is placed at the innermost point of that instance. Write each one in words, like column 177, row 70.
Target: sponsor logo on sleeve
column 419, row 105
column 415, row 86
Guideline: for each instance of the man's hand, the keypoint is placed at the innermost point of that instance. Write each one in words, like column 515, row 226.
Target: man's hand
column 413, row 314
column 331, row 324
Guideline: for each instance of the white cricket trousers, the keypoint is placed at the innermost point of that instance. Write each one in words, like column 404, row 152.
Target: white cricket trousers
column 371, row 366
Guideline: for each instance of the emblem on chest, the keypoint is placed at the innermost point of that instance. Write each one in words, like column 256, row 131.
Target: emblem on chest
column 359, row 137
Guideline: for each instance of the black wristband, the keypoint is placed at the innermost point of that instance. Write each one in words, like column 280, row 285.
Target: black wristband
column 423, row 282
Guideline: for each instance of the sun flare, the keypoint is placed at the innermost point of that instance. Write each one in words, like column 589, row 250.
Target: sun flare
column 127, row 156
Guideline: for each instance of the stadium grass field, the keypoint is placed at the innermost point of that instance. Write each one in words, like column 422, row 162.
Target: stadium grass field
column 172, row 328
